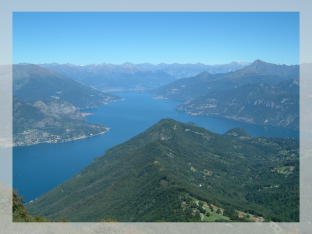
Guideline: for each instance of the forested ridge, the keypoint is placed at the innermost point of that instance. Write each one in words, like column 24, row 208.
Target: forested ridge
column 159, row 174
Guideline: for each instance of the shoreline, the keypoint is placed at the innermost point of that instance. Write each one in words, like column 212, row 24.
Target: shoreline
column 240, row 119
column 65, row 140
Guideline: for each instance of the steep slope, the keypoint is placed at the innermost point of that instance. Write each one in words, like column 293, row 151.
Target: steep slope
column 253, row 103
column 31, row 82
column 290, row 85
column 152, row 176
column 191, row 88
column 284, row 71
column 55, row 121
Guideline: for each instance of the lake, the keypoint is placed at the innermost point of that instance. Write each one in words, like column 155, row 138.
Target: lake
column 39, row 168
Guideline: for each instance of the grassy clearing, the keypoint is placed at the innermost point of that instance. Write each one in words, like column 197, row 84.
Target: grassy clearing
column 286, row 169
column 214, row 216
column 283, row 152
column 245, row 214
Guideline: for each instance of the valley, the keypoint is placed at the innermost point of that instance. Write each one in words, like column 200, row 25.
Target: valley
column 155, row 167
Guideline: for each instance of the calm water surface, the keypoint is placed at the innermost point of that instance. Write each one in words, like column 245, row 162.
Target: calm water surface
column 39, row 168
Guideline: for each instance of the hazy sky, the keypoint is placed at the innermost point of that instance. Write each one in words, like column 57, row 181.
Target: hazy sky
column 155, row 37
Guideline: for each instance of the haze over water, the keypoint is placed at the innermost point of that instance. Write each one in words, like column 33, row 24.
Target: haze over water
column 39, row 168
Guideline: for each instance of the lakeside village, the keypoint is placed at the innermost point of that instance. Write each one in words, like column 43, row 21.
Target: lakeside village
column 35, row 136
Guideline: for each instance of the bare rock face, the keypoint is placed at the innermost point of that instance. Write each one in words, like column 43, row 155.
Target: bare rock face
column 59, row 110
column 55, row 112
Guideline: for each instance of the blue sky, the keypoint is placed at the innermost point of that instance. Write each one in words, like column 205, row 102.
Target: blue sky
column 155, row 37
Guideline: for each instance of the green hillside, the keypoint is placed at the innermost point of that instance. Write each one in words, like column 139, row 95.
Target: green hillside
column 156, row 176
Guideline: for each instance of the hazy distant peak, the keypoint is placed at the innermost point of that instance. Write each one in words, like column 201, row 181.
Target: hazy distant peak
column 258, row 60
column 70, row 65
column 284, row 71
column 23, row 64
column 241, row 63
column 127, row 64
column 174, row 69
column 146, row 64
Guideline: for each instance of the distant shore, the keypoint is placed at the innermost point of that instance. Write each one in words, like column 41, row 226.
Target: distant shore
column 57, row 141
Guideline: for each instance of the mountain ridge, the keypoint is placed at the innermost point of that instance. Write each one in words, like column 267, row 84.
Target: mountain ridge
column 154, row 173
column 110, row 77
column 253, row 103
column 194, row 87
column 32, row 82
column 284, row 71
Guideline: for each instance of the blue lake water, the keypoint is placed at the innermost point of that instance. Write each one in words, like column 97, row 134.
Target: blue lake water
column 39, row 168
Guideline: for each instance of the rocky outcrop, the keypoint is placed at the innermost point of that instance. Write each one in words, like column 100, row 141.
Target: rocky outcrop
column 59, row 110
column 56, row 112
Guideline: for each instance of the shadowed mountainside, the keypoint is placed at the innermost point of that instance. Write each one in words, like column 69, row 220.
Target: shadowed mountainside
column 31, row 82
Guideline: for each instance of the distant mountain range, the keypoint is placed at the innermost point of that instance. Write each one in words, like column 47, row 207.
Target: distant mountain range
column 189, row 70
column 178, row 172
column 128, row 76
column 109, row 77
column 32, row 82
column 57, row 82
column 260, row 93
column 194, row 87
column 51, row 82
